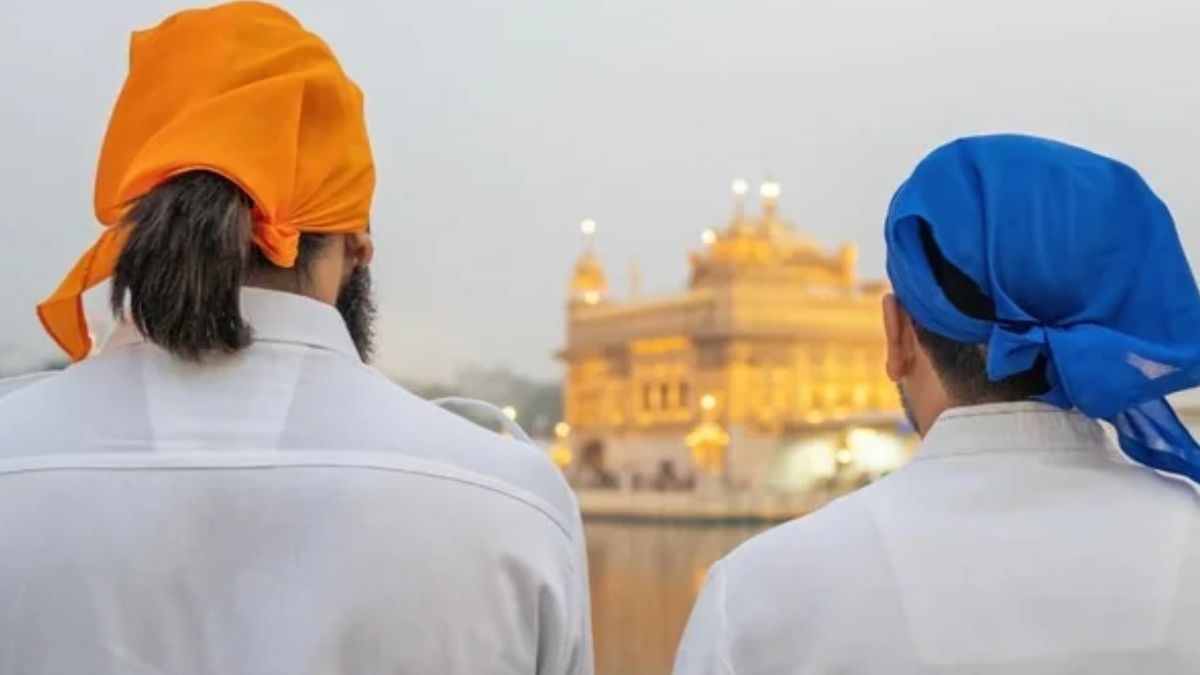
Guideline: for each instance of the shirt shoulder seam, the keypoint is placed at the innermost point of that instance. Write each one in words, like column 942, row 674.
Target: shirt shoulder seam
column 275, row 460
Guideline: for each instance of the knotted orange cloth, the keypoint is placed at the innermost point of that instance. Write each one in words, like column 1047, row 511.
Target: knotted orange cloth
column 244, row 91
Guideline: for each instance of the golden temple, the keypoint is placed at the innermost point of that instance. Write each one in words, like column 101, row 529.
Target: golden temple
column 774, row 339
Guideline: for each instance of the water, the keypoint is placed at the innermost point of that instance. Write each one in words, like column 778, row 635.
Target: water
column 644, row 579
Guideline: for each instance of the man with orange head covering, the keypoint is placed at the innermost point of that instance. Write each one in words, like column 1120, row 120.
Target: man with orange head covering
column 225, row 487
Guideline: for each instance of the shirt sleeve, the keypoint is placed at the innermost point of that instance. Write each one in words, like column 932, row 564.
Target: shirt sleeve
column 704, row 649
column 570, row 629
column 582, row 657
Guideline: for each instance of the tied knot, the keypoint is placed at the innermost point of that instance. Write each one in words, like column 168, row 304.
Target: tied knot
column 279, row 242
column 1015, row 347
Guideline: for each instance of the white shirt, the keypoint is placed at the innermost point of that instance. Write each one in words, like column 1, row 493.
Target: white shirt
column 1017, row 542
column 284, row 511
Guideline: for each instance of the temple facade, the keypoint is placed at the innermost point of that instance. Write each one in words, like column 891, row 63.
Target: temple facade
column 765, row 371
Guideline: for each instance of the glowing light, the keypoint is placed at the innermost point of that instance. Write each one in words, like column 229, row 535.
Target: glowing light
column 707, row 443
column 877, row 451
column 740, row 187
column 709, row 237
column 510, row 412
column 858, row 437
column 769, row 190
column 592, row 297
column 561, row 455
column 804, row 465
column 562, row 429
column 588, row 227
column 844, row 456
column 708, row 402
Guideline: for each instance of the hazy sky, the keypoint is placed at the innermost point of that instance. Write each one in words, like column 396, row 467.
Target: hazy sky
column 498, row 126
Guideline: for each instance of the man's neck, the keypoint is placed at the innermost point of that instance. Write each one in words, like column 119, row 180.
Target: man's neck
column 283, row 281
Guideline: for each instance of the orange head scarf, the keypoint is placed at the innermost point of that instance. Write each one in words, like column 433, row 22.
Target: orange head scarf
column 244, row 91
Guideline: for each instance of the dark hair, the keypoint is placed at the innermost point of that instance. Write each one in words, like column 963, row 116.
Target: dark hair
column 962, row 367
column 189, row 252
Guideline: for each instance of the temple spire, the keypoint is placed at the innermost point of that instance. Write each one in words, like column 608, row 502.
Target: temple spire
column 739, row 187
column 588, row 228
column 588, row 285
column 769, row 191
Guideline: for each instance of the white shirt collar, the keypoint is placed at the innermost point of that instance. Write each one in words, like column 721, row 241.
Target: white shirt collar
column 275, row 316
column 1005, row 427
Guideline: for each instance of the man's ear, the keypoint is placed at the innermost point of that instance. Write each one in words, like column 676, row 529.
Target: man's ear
column 360, row 250
column 901, row 339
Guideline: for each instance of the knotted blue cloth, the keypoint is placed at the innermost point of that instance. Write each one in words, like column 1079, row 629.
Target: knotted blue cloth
column 1085, row 268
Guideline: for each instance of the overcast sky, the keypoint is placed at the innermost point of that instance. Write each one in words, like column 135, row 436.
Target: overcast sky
column 497, row 126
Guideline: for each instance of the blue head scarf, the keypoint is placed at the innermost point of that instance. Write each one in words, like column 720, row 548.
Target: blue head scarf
column 1085, row 269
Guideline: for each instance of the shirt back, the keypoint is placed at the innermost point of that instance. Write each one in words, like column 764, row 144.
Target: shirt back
column 284, row 510
column 1018, row 542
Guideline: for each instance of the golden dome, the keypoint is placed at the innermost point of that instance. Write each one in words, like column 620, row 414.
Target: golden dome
column 588, row 283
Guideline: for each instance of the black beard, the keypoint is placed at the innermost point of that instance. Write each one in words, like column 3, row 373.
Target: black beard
column 356, row 304
column 906, row 405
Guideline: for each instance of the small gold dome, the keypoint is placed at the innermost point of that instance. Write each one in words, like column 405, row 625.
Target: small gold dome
column 588, row 284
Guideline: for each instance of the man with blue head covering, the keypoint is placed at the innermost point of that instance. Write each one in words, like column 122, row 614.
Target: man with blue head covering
column 1038, row 288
